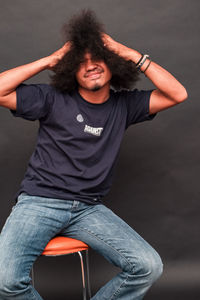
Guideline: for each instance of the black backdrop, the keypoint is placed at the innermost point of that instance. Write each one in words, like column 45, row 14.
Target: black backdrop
column 156, row 187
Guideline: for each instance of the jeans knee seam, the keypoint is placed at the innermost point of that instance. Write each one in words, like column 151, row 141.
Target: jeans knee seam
column 118, row 290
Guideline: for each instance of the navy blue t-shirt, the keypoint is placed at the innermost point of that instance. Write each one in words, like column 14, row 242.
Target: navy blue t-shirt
column 78, row 141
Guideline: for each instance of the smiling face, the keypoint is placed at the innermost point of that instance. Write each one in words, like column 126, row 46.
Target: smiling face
column 93, row 75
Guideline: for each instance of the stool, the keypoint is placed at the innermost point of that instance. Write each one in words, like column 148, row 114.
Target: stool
column 61, row 245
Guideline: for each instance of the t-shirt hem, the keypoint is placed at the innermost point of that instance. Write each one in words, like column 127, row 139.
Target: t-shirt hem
column 35, row 191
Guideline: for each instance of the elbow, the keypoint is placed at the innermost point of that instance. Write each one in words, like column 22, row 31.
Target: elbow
column 182, row 95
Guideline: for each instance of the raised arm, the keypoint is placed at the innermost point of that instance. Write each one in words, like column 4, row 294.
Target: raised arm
column 9, row 80
column 169, row 91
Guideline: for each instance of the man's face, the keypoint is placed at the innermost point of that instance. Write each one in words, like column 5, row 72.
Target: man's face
column 92, row 74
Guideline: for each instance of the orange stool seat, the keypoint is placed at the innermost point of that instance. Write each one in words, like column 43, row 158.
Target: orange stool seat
column 61, row 245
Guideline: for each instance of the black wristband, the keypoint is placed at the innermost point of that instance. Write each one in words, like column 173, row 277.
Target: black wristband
column 139, row 60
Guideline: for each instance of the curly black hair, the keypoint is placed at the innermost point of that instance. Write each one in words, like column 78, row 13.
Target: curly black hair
column 84, row 32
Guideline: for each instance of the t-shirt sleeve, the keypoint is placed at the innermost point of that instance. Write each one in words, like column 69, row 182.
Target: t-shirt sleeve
column 137, row 102
column 33, row 101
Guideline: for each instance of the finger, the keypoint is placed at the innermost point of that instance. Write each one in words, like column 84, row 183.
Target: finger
column 104, row 37
column 66, row 46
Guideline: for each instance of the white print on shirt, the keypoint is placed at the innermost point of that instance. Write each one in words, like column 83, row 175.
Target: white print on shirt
column 79, row 118
column 92, row 130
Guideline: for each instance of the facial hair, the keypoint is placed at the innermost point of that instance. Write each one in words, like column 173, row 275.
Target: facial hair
column 96, row 88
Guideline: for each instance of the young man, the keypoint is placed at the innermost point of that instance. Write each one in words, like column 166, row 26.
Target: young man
column 82, row 122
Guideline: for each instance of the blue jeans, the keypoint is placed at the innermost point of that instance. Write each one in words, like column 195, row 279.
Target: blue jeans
column 35, row 220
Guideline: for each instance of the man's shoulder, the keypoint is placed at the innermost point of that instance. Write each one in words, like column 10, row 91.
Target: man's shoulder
column 47, row 88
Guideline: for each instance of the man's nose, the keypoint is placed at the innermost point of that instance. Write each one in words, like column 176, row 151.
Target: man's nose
column 90, row 65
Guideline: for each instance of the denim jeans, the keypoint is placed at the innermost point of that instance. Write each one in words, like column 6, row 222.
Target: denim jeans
column 35, row 220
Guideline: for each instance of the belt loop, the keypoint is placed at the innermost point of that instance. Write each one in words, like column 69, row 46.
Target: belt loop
column 75, row 204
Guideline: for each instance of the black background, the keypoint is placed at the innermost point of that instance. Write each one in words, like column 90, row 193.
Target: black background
column 156, row 187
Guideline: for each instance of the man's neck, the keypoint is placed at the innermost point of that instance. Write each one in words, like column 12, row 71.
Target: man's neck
column 96, row 97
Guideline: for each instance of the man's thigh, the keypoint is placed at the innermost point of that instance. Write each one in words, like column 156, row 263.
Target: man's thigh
column 109, row 235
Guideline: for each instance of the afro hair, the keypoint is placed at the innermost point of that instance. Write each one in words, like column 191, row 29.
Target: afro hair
column 84, row 32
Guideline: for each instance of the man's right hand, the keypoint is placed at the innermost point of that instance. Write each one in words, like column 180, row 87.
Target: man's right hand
column 55, row 57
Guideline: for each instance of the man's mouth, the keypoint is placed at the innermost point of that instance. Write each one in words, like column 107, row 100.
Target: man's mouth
column 96, row 74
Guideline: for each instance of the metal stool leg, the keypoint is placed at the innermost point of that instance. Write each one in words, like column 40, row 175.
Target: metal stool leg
column 88, row 274
column 83, row 276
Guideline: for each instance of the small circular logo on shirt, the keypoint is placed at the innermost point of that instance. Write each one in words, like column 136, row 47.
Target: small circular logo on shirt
column 79, row 118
